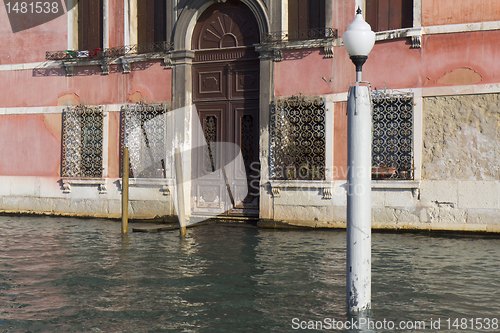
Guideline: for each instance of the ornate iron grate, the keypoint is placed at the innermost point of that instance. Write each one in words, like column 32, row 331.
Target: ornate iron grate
column 281, row 36
column 297, row 139
column 143, row 131
column 210, row 132
column 114, row 52
column 392, row 134
column 82, row 142
column 247, row 141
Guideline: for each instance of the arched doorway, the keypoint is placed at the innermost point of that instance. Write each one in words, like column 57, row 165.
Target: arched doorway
column 226, row 96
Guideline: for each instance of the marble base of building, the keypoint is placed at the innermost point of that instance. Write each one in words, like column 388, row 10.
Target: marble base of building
column 458, row 206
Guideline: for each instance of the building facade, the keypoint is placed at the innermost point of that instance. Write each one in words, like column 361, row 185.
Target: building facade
column 269, row 76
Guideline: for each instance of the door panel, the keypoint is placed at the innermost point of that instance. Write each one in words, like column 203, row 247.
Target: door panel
column 246, row 178
column 209, row 186
column 244, row 80
column 210, row 82
column 220, row 186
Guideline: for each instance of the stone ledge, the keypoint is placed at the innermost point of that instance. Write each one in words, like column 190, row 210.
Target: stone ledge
column 386, row 226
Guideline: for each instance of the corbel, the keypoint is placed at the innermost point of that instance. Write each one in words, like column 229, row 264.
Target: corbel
column 168, row 61
column 103, row 189
column 328, row 48
column 327, row 193
column 125, row 66
column 278, row 55
column 416, row 42
column 105, row 67
column 69, row 69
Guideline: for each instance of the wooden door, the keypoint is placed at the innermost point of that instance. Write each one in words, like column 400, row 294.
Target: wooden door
column 226, row 96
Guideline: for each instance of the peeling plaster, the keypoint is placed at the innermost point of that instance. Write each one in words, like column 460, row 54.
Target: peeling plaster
column 135, row 97
column 460, row 76
column 68, row 99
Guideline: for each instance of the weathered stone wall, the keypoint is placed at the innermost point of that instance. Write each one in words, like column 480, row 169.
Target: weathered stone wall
column 461, row 137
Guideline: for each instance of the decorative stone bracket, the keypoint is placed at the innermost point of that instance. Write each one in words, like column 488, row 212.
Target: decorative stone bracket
column 125, row 66
column 327, row 193
column 165, row 189
column 168, row 61
column 103, row 189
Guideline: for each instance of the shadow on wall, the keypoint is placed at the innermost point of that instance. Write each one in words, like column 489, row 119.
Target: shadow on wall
column 296, row 54
column 90, row 70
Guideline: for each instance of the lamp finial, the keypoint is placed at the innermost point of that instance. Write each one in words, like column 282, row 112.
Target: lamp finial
column 358, row 11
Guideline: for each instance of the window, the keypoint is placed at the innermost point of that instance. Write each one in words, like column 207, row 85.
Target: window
column 389, row 14
column 82, row 142
column 143, row 128
column 90, row 24
column 151, row 21
column 298, row 139
column 392, row 152
column 304, row 16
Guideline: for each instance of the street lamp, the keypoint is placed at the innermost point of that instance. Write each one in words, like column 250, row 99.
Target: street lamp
column 358, row 41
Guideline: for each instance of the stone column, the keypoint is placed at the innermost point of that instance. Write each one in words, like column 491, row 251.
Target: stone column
column 182, row 84
column 182, row 88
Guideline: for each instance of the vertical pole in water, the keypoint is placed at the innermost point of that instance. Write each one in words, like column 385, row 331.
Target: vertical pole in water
column 359, row 140
column 359, row 40
column 125, row 170
column 179, row 182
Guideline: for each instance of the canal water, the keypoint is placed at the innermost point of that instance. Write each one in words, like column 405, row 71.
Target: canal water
column 77, row 275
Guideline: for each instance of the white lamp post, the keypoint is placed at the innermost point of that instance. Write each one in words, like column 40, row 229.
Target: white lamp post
column 358, row 41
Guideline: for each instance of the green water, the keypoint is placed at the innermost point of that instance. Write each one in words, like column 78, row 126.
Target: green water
column 75, row 275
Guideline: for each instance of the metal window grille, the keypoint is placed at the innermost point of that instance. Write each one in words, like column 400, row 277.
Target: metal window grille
column 392, row 145
column 82, row 142
column 298, row 139
column 143, row 130
column 210, row 132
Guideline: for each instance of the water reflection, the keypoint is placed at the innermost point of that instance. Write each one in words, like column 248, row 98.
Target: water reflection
column 82, row 275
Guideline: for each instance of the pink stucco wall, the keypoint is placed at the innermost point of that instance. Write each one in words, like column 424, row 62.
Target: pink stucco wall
column 340, row 141
column 116, row 24
column 302, row 72
column 444, row 59
column 30, row 45
column 114, row 145
column 437, row 12
column 343, row 14
column 30, row 145
column 38, row 87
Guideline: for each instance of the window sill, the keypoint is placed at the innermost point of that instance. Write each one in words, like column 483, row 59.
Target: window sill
column 164, row 183
column 395, row 184
column 301, row 183
column 325, row 186
column 84, row 181
column 148, row 181
column 414, row 33
column 100, row 182
column 275, row 49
